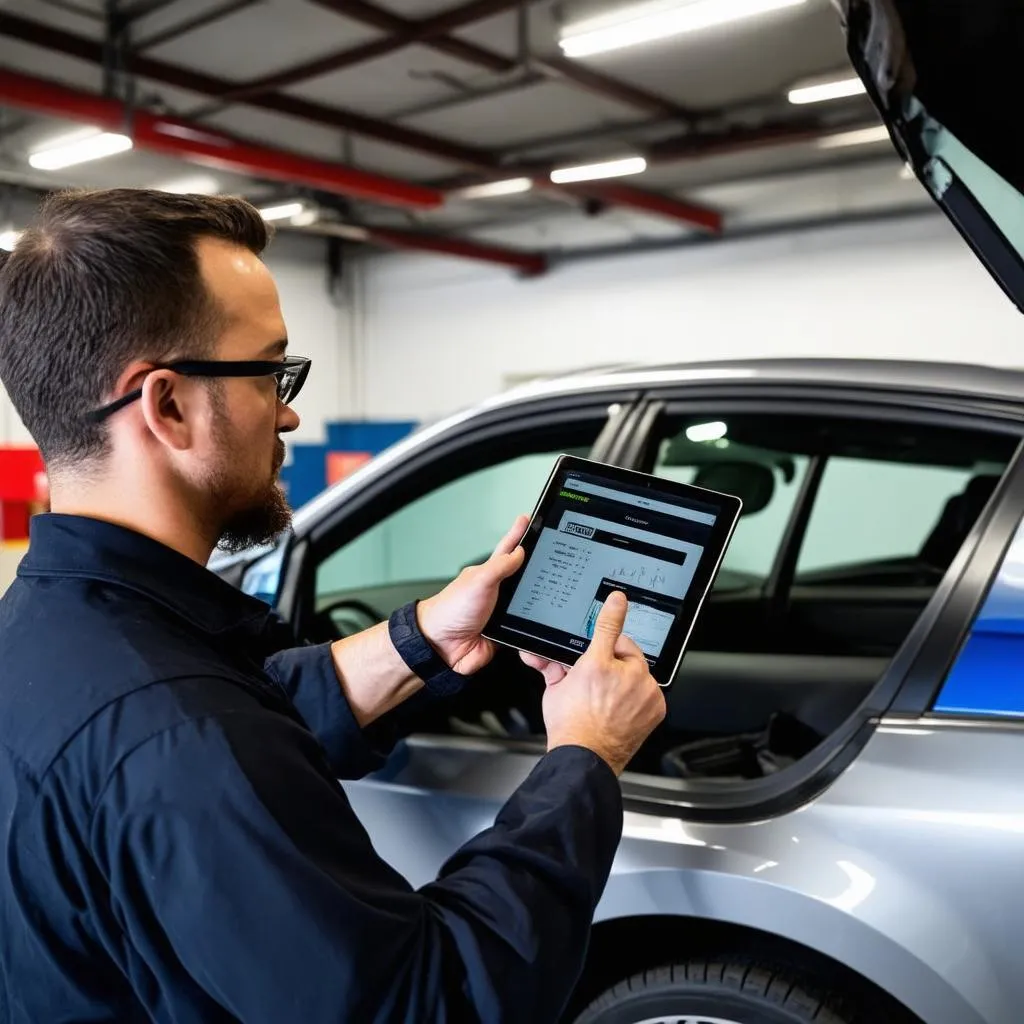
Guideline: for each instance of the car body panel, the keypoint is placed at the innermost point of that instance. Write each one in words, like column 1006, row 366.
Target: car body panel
column 880, row 872
column 987, row 678
column 904, row 861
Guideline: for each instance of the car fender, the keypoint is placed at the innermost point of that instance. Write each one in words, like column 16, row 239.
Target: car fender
column 840, row 902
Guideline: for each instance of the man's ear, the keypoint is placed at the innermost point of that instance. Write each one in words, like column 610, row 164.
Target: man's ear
column 168, row 406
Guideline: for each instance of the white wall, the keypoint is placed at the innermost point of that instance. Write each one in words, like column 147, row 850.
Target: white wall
column 441, row 334
column 317, row 327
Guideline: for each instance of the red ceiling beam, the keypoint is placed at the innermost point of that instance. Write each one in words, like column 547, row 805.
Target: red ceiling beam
column 469, row 157
column 177, row 138
column 529, row 264
column 196, row 143
column 701, row 217
column 90, row 50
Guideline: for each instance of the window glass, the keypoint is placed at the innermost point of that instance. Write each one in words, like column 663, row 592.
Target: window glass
column 755, row 544
column 430, row 540
column 869, row 511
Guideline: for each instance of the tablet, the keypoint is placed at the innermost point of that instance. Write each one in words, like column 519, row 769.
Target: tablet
column 597, row 529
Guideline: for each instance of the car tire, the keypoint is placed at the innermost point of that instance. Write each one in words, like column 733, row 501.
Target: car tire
column 720, row 991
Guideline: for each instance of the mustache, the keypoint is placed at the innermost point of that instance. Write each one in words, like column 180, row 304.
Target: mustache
column 279, row 455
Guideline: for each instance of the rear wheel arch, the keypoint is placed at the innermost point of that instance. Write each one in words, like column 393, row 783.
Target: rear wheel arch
column 624, row 946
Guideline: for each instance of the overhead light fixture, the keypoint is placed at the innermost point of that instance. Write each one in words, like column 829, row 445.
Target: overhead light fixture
column 9, row 239
column 490, row 189
column 701, row 432
column 860, row 137
column 821, row 90
column 192, row 184
column 644, row 23
column 283, row 211
column 607, row 169
column 78, row 149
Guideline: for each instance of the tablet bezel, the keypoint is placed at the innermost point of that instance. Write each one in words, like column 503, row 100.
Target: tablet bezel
column 730, row 507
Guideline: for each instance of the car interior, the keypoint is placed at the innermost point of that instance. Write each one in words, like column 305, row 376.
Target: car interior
column 848, row 527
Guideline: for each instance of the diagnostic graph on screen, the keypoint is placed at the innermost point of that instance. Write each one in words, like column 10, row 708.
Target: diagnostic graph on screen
column 579, row 562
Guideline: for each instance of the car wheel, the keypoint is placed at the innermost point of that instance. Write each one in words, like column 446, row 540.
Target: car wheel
column 716, row 992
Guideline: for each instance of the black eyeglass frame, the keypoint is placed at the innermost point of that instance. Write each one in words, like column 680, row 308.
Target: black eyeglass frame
column 291, row 374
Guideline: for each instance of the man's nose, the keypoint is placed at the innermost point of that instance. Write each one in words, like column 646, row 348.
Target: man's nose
column 287, row 419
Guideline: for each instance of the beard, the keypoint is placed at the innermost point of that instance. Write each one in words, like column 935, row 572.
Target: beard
column 258, row 515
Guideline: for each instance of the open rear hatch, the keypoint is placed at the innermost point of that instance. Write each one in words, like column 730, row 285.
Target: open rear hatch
column 945, row 76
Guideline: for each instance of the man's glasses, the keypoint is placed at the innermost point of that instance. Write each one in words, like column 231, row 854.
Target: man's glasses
column 291, row 375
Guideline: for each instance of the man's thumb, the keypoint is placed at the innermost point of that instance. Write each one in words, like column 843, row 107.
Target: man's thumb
column 609, row 623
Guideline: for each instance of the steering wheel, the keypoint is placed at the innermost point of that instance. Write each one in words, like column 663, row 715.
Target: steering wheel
column 343, row 618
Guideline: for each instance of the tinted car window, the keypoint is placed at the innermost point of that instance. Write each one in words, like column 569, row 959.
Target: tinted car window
column 869, row 511
column 760, row 530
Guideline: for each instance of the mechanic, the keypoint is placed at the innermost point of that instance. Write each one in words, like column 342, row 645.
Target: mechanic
column 176, row 845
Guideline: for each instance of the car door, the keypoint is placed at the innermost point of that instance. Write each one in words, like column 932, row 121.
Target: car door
column 404, row 537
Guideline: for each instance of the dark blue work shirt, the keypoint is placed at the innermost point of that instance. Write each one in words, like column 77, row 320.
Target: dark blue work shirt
column 176, row 846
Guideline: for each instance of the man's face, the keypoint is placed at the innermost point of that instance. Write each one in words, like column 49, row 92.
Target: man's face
column 239, row 476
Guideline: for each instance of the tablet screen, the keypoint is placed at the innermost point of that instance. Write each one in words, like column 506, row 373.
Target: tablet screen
column 598, row 529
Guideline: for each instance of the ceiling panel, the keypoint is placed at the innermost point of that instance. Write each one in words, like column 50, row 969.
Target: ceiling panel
column 279, row 131
column 265, row 38
column 31, row 60
column 512, row 118
column 58, row 17
column 418, row 9
column 397, row 161
column 411, row 75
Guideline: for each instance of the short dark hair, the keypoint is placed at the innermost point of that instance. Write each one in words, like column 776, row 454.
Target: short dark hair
column 102, row 278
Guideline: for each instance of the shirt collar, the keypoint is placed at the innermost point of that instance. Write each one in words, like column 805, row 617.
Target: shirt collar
column 85, row 548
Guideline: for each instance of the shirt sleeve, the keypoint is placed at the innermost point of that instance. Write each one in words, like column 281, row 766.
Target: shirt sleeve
column 228, row 843
column 308, row 677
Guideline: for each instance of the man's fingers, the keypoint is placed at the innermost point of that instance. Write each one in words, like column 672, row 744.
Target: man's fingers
column 533, row 660
column 552, row 672
column 609, row 623
column 511, row 540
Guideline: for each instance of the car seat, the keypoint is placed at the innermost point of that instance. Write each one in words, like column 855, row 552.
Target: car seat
column 959, row 515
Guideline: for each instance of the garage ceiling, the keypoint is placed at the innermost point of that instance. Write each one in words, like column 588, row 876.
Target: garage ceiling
column 425, row 98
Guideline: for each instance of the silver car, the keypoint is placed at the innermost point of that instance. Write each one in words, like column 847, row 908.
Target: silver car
column 829, row 826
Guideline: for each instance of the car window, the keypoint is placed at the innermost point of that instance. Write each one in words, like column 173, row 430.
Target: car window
column 869, row 511
column 426, row 543
column 755, row 544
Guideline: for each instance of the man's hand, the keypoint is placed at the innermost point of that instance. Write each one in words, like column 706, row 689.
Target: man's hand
column 452, row 620
column 608, row 701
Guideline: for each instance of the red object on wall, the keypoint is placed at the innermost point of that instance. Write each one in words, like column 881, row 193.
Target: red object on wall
column 19, row 468
column 342, row 464
column 20, row 485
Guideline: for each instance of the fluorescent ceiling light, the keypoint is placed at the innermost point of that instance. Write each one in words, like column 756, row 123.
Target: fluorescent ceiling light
column 714, row 431
column 856, row 138
column 194, row 184
column 822, row 90
column 647, row 22
column 607, row 169
column 283, row 211
column 489, row 189
column 78, row 150
column 9, row 239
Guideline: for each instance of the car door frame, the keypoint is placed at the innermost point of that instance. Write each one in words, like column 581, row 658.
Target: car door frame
column 296, row 595
column 914, row 677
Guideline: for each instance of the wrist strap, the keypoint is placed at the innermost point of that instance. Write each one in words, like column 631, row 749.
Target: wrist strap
column 420, row 658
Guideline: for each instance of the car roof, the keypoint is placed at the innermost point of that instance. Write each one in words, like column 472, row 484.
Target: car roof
column 963, row 379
